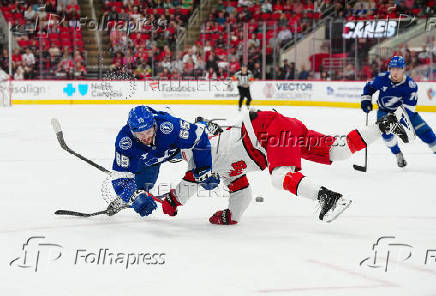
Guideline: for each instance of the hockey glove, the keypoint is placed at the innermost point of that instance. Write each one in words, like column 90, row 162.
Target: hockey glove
column 213, row 128
column 366, row 104
column 206, row 178
column 124, row 188
column 144, row 204
column 222, row 218
column 170, row 203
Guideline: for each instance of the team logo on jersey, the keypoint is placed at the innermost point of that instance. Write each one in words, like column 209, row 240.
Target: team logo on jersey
column 390, row 103
column 125, row 143
column 385, row 88
column 166, row 127
column 412, row 84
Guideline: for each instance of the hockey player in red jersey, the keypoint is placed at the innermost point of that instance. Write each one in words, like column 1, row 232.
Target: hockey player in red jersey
column 266, row 139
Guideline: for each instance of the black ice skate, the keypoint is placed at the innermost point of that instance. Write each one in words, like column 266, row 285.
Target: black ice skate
column 389, row 124
column 332, row 204
column 400, row 160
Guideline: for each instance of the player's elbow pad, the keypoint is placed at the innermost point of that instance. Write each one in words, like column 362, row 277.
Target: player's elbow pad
column 368, row 90
column 201, row 152
column 124, row 188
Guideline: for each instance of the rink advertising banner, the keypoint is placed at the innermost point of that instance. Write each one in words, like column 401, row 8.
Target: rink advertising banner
column 268, row 93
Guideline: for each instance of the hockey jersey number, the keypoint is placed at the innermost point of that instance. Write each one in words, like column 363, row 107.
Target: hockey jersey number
column 122, row 160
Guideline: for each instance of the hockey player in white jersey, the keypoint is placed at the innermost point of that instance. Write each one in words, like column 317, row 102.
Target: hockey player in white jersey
column 266, row 139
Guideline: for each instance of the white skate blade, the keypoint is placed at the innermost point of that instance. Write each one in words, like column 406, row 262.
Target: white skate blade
column 341, row 205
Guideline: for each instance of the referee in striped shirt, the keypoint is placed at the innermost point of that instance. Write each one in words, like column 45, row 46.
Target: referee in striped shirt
column 244, row 77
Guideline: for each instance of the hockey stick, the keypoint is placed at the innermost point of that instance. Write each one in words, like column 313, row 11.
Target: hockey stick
column 110, row 211
column 60, row 135
column 365, row 167
column 79, row 214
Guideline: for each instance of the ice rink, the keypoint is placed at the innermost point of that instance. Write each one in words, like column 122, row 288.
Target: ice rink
column 385, row 244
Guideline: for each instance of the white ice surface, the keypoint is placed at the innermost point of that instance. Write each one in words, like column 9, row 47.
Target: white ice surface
column 279, row 248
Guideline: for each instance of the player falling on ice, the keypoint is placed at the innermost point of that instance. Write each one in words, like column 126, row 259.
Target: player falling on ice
column 397, row 90
column 148, row 139
column 266, row 139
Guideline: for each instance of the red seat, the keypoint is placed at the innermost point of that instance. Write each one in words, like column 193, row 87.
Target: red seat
column 215, row 36
column 56, row 42
column 173, row 11
column 160, row 11
column 184, row 11
column 77, row 35
column 65, row 35
column 145, row 36
column 53, row 36
column 66, row 42
column 23, row 43
column 266, row 16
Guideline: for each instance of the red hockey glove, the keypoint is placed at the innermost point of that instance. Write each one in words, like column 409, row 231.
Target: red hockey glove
column 170, row 203
column 223, row 218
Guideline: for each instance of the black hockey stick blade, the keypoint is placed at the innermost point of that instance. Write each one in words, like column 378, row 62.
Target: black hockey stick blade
column 359, row 168
column 79, row 214
column 365, row 167
column 60, row 136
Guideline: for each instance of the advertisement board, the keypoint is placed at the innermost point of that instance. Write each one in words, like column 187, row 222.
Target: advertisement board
column 284, row 93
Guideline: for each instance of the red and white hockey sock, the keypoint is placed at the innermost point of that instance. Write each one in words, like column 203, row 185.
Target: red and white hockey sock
column 294, row 182
column 357, row 140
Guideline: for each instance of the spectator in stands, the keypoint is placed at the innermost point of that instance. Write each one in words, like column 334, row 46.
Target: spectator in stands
column 257, row 71
column 65, row 67
column 189, row 55
column 220, row 43
column 349, row 72
column 117, row 60
column 201, row 64
column 324, row 76
column 289, row 71
column 210, row 74
column 267, row 6
column 188, row 68
column 212, row 63
column 303, row 74
column 234, row 66
column 19, row 73
column 17, row 59
column 176, row 75
column 28, row 64
column 284, row 36
column 30, row 14
column 245, row 3
column 4, row 60
column 79, row 70
column 222, row 74
column 253, row 41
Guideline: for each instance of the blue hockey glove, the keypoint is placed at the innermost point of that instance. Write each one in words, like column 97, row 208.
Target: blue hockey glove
column 124, row 188
column 144, row 204
column 366, row 104
column 206, row 178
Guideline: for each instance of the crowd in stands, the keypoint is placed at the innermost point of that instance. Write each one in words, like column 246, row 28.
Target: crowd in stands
column 57, row 51
column 47, row 46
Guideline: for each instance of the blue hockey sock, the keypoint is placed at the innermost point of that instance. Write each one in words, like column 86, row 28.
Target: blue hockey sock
column 392, row 143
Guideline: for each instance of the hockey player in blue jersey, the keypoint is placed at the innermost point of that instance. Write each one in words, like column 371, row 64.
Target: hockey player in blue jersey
column 397, row 90
column 148, row 139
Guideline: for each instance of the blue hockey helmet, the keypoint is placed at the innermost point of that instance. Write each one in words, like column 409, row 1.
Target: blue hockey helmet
column 140, row 119
column 397, row 62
